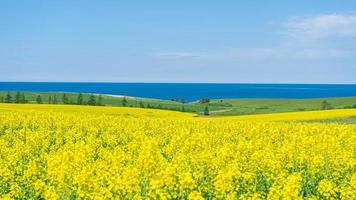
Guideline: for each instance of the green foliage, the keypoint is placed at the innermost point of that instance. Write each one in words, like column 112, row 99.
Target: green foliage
column 80, row 99
column 124, row 101
column 141, row 104
column 23, row 98
column 39, row 99
column 225, row 106
column 18, row 97
column 55, row 101
column 100, row 100
column 325, row 105
column 206, row 110
column 204, row 100
column 71, row 98
column 8, row 98
column 65, row 99
column 92, row 100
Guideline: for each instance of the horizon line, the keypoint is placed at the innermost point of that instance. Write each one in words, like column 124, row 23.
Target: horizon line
column 137, row 82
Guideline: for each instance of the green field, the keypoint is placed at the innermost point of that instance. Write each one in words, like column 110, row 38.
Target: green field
column 255, row 106
column 341, row 120
column 217, row 107
column 109, row 100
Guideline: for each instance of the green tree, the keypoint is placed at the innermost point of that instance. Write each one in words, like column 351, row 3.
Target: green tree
column 92, row 100
column 183, row 109
column 124, row 102
column 50, row 99
column 206, row 110
column 100, row 100
column 39, row 99
column 141, row 104
column 23, row 98
column 18, row 97
column 1, row 99
column 65, row 99
column 325, row 105
column 8, row 98
column 204, row 100
column 55, row 101
column 80, row 99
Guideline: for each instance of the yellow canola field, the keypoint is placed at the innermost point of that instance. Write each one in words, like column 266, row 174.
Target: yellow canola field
column 82, row 152
column 297, row 116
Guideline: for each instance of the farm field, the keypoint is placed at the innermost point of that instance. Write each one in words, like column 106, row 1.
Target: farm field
column 112, row 100
column 339, row 120
column 84, row 152
column 217, row 107
column 257, row 106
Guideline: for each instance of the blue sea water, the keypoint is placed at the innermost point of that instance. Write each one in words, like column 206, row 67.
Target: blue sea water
column 190, row 91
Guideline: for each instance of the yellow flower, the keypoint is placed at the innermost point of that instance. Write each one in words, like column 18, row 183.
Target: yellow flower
column 195, row 196
column 61, row 151
column 327, row 189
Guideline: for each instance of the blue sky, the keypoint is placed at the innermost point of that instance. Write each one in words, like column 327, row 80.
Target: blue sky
column 277, row 41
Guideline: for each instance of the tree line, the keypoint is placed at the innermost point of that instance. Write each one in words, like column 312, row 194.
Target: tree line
column 19, row 98
column 92, row 100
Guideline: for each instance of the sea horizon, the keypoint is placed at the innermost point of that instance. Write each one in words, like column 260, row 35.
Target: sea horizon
column 190, row 91
column 158, row 82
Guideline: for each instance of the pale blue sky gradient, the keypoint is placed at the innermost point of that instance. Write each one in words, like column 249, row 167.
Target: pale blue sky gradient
column 258, row 41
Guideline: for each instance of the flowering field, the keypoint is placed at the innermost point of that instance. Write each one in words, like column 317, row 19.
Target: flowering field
column 82, row 152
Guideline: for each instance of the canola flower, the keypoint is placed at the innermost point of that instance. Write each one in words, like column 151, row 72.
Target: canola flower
column 82, row 152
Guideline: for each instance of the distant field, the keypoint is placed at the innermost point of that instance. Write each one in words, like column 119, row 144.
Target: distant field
column 305, row 116
column 217, row 107
column 338, row 120
column 256, row 106
column 112, row 100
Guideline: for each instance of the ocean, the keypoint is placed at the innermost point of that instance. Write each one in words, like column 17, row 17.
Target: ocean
column 190, row 91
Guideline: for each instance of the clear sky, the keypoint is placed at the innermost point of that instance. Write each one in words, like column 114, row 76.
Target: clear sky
column 259, row 41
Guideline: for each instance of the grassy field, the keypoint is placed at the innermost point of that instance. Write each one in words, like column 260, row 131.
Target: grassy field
column 111, row 100
column 256, row 106
column 217, row 107
column 338, row 120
